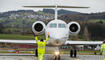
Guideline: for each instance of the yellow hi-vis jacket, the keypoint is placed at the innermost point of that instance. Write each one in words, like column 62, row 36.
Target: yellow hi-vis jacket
column 103, row 48
column 41, row 45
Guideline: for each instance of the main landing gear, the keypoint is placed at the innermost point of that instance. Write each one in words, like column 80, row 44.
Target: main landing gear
column 36, row 52
column 73, row 53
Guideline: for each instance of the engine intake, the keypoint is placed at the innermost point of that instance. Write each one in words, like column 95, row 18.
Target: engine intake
column 74, row 27
column 38, row 27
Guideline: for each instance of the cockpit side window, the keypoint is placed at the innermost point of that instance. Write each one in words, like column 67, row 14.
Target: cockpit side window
column 53, row 25
column 61, row 25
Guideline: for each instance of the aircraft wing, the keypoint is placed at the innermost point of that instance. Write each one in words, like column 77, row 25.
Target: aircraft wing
column 84, row 42
column 18, row 41
column 67, row 42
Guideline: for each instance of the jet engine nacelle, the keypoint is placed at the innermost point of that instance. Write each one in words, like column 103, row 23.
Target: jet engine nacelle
column 38, row 27
column 74, row 27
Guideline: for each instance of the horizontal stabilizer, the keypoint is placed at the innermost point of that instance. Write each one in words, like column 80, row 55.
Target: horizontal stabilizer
column 52, row 6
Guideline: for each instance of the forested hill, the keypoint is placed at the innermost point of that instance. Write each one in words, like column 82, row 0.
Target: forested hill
column 83, row 16
column 92, row 25
column 49, row 14
column 61, row 11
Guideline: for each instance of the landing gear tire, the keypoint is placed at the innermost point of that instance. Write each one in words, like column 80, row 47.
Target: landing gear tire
column 57, row 57
column 36, row 52
column 73, row 53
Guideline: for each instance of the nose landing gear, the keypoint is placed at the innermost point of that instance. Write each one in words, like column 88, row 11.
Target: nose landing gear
column 57, row 55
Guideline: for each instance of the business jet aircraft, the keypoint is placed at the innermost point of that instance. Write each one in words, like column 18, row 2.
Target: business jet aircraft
column 59, row 30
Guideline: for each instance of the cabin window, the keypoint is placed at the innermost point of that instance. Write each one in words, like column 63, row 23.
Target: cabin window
column 61, row 25
column 53, row 25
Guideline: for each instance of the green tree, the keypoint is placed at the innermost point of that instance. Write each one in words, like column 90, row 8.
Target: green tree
column 1, row 28
column 86, row 34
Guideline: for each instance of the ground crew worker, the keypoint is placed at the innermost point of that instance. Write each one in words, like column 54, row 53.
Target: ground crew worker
column 41, row 46
column 103, row 50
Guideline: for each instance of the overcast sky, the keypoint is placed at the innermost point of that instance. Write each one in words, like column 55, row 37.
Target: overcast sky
column 95, row 5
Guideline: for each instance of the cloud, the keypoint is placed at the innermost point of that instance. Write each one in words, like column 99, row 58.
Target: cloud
column 95, row 5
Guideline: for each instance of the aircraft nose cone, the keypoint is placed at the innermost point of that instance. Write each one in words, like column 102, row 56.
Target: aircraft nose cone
column 57, row 42
column 58, row 36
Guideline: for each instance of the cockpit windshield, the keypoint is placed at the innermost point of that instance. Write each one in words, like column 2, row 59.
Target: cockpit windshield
column 61, row 25
column 53, row 25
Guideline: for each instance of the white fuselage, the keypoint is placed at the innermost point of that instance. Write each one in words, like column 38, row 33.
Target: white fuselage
column 58, row 32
